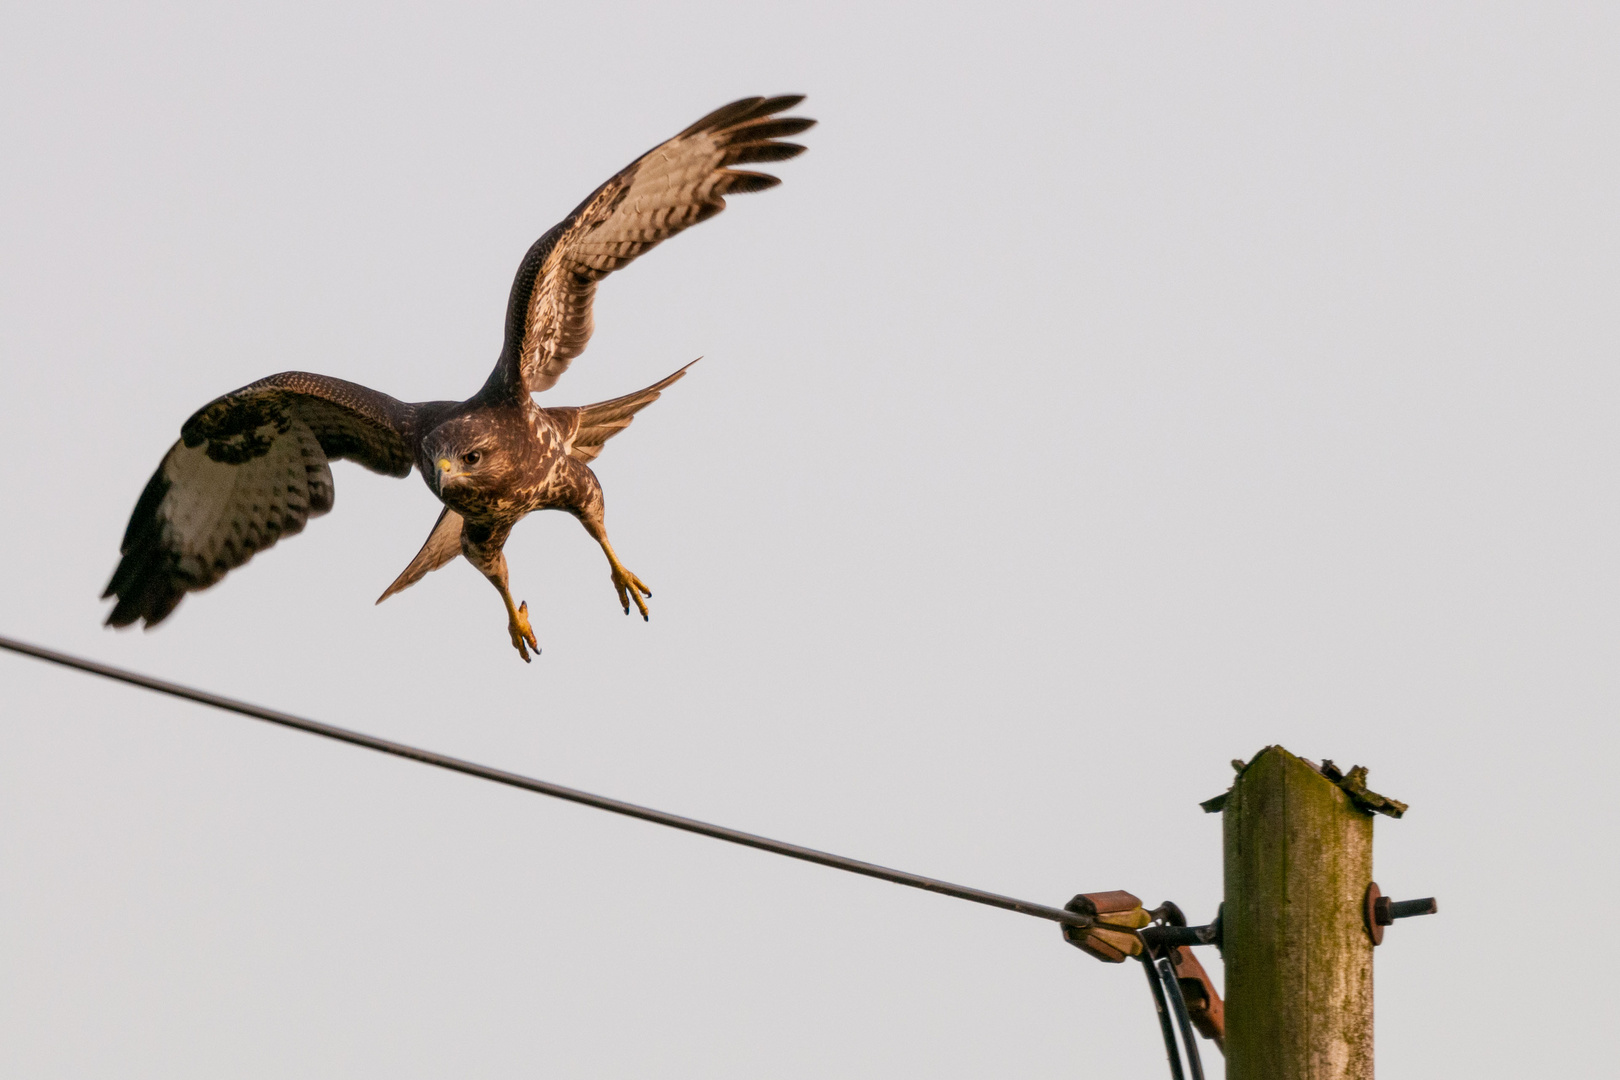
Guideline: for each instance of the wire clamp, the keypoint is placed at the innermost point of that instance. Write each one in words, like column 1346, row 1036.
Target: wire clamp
column 1112, row 936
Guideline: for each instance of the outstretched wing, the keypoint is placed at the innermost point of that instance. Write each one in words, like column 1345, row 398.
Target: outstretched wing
column 591, row 426
column 675, row 185
column 250, row 468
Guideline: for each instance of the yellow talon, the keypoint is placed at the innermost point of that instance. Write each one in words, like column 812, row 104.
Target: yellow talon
column 522, row 634
column 629, row 587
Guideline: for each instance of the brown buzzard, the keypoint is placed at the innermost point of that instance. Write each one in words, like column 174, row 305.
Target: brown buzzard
column 253, row 466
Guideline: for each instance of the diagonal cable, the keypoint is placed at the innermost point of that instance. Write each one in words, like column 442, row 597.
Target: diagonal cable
column 542, row 787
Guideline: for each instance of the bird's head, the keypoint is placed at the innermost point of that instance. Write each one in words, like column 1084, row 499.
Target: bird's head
column 462, row 458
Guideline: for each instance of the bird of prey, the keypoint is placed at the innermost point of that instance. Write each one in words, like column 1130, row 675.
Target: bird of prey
column 252, row 466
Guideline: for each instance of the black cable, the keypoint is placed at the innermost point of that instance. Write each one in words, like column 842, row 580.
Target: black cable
column 1161, row 939
column 556, row 791
column 1167, row 972
column 1165, row 1028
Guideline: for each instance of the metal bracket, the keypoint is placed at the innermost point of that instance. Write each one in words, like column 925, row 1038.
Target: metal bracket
column 1204, row 1005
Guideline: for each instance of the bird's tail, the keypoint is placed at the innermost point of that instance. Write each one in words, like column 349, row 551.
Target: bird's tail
column 594, row 425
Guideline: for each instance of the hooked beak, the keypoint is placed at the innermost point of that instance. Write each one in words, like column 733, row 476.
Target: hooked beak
column 447, row 472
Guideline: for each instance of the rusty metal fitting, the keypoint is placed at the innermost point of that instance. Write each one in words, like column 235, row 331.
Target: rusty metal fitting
column 1204, row 1006
column 1112, row 937
column 1379, row 911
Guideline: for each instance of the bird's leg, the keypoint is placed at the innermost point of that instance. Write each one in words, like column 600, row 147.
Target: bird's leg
column 517, row 623
column 491, row 562
column 628, row 586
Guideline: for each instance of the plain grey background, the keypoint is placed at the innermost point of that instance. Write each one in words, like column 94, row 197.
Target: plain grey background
column 1111, row 391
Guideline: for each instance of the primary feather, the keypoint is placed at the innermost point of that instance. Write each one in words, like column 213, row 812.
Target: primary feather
column 250, row 468
column 673, row 186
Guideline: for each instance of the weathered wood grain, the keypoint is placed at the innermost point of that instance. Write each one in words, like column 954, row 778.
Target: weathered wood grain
column 1299, row 989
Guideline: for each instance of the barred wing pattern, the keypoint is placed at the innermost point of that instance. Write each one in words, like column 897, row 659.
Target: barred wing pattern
column 674, row 186
column 250, row 468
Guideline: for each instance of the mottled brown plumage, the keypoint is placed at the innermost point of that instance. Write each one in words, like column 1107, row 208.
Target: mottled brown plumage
column 252, row 466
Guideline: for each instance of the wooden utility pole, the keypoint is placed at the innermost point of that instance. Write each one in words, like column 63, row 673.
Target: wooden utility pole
column 1299, row 989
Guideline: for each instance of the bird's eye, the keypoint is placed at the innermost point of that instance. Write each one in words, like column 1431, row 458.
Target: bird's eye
column 471, row 457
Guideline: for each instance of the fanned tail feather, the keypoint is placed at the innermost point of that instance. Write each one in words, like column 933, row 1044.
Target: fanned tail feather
column 596, row 424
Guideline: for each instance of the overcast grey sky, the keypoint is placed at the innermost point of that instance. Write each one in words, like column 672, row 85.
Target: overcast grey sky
column 1105, row 375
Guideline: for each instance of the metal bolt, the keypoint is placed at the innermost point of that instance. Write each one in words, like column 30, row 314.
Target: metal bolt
column 1378, row 911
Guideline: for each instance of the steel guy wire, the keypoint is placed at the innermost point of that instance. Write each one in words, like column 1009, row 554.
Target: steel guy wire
column 542, row 787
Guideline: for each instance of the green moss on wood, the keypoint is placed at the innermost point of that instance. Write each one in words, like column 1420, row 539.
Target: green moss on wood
column 1298, row 961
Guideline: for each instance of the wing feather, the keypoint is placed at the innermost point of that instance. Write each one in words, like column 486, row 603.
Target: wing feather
column 351, row 421
column 670, row 188
column 443, row 544
column 250, row 468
